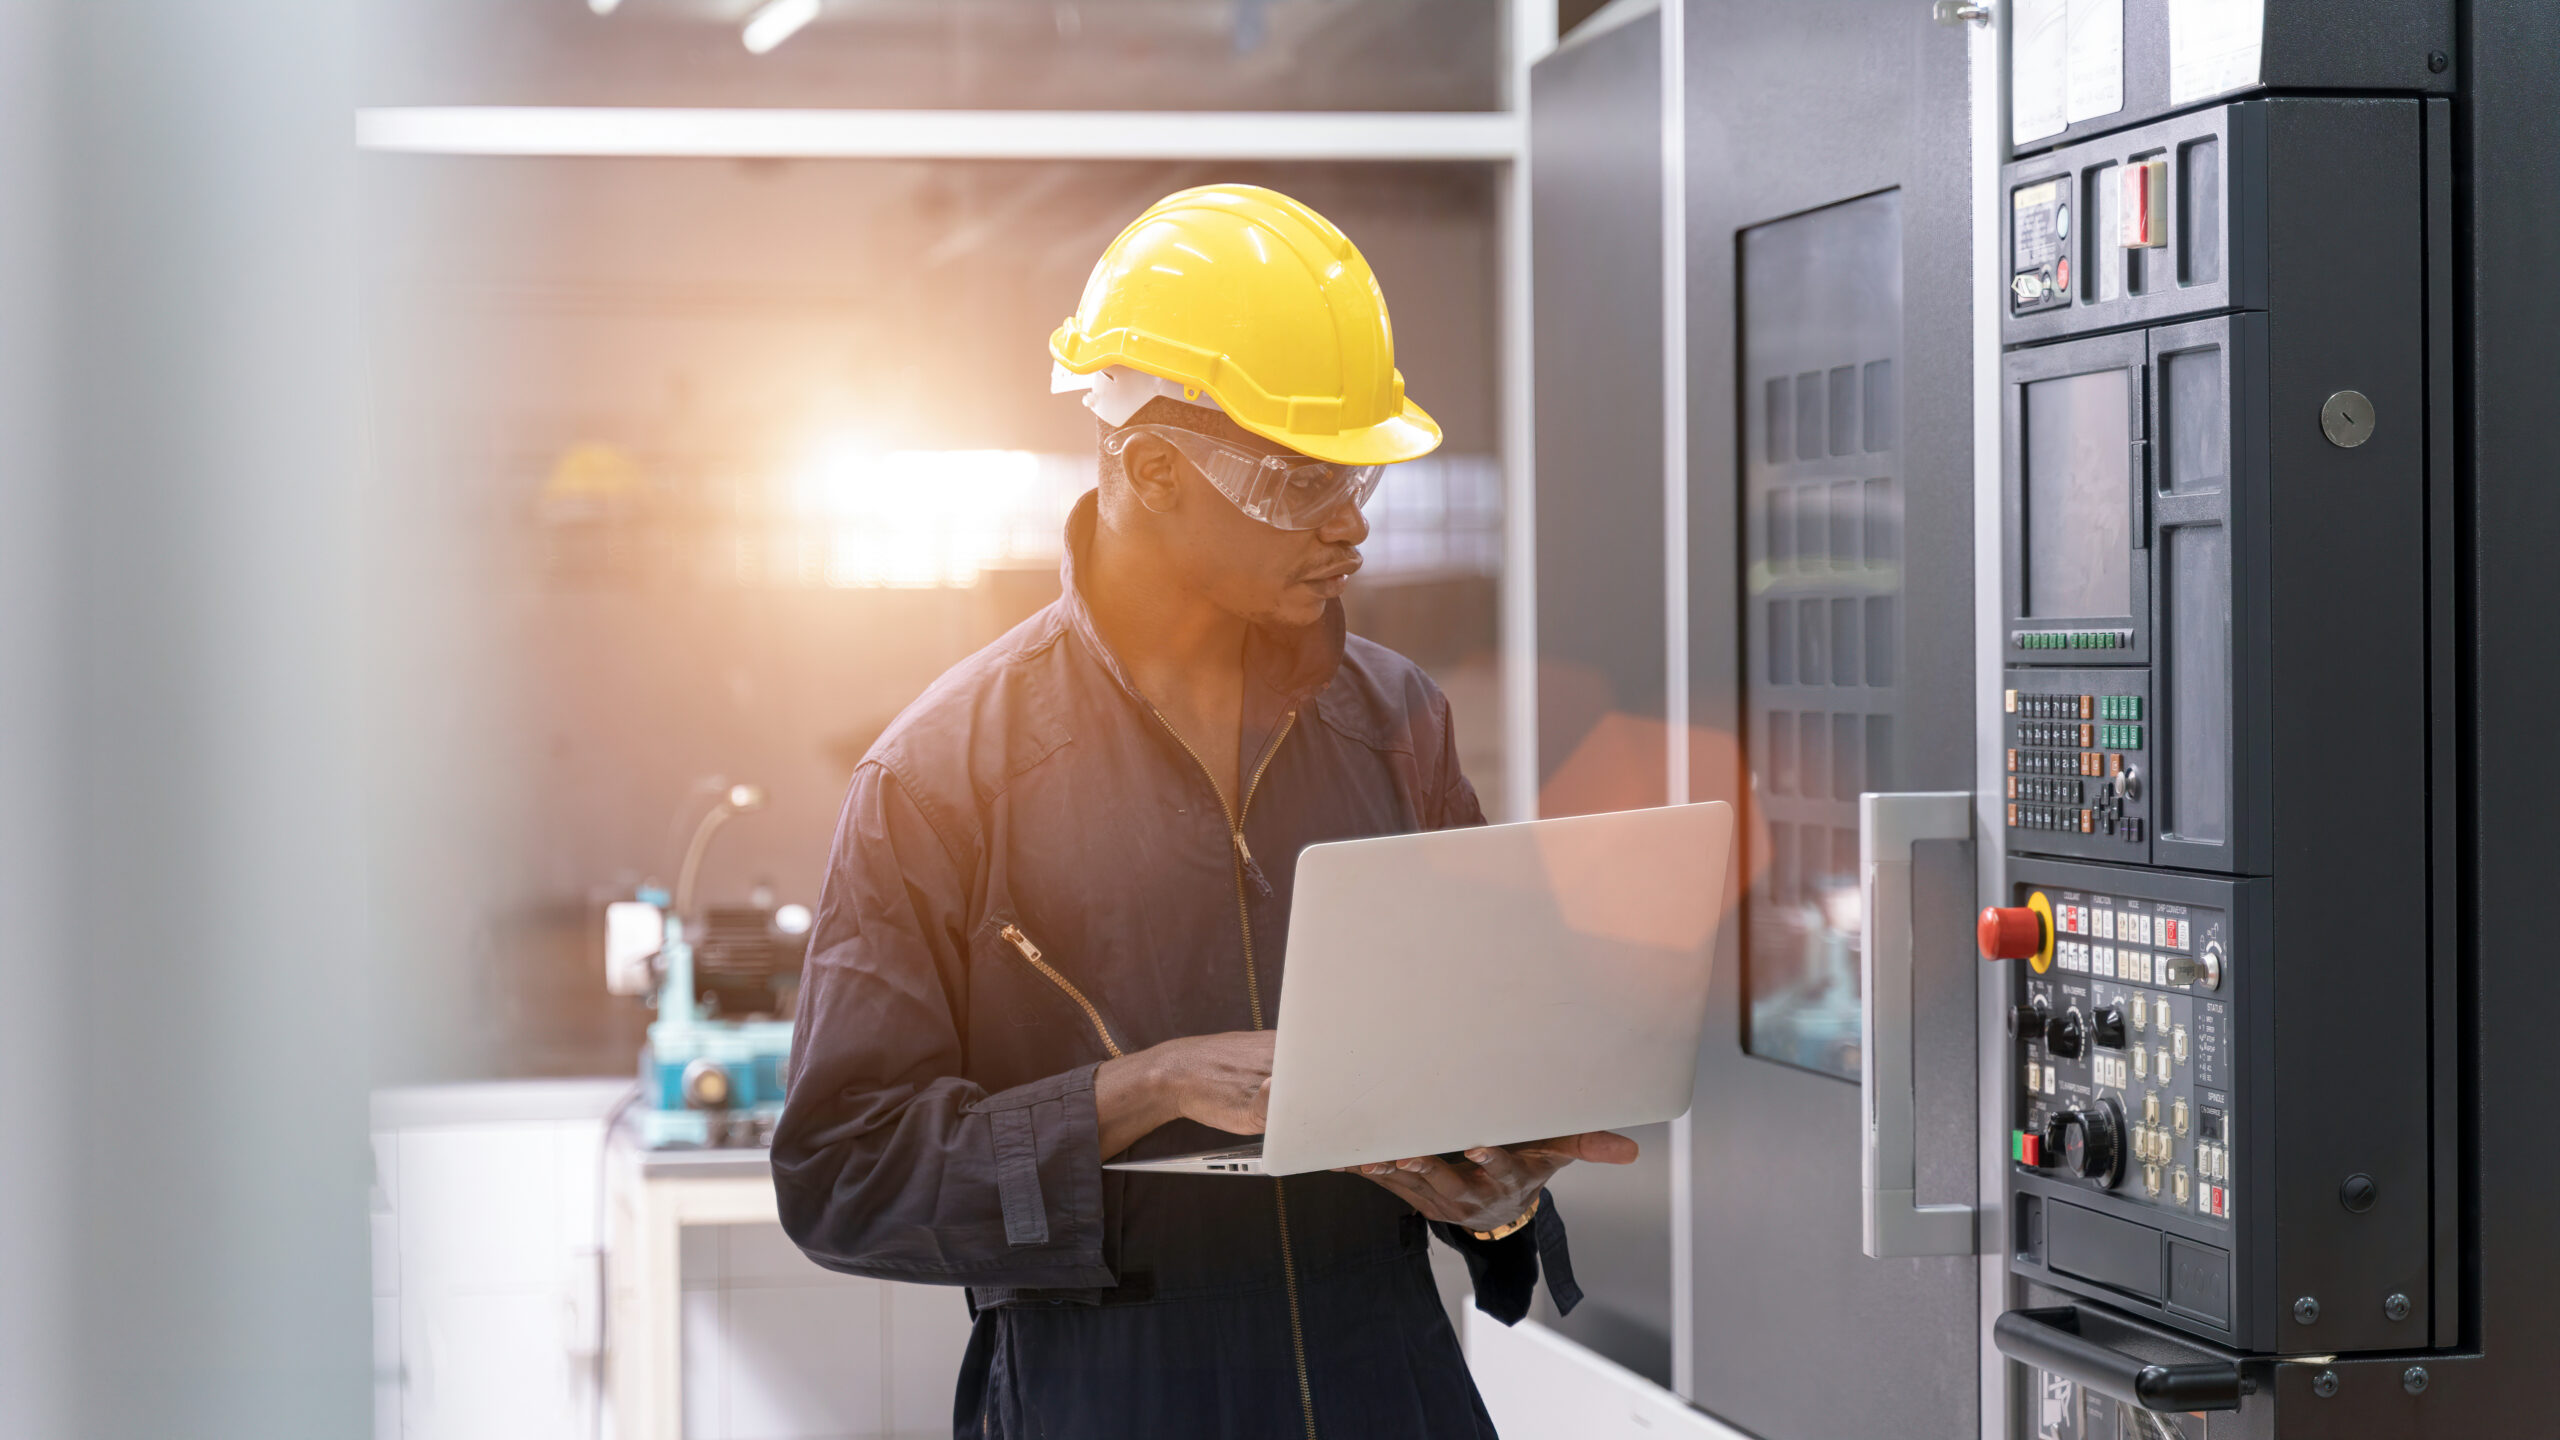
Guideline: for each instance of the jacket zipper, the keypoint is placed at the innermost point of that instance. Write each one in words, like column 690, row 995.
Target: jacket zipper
column 1243, row 856
column 1031, row 952
column 1244, row 865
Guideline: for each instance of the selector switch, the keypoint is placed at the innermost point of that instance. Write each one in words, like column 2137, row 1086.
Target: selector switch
column 2026, row 1021
column 2106, row 1028
column 2064, row 1036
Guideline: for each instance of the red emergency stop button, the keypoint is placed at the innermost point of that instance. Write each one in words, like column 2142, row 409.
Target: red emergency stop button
column 2010, row 932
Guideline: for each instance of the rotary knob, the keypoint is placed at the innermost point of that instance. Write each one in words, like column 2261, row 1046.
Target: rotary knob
column 2064, row 1036
column 2026, row 1021
column 2009, row 932
column 2106, row 1028
column 2088, row 1143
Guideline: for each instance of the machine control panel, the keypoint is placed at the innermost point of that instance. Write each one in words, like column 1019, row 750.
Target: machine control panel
column 2125, row 1052
column 2075, row 757
column 2132, row 1147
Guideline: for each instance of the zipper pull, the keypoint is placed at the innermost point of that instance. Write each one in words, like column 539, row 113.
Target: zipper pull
column 1252, row 868
column 1021, row 942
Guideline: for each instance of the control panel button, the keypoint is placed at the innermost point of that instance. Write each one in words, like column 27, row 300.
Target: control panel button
column 2178, row 1115
column 2142, row 1063
column 2180, row 1187
column 2178, row 1043
column 2151, row 1107
column 2009, row 932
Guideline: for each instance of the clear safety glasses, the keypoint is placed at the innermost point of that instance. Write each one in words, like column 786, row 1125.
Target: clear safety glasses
column 1286, row 492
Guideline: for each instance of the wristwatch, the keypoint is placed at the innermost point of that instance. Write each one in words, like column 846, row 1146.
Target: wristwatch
column 1513, row 1228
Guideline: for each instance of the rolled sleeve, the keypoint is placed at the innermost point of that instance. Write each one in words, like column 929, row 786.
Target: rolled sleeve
column 888, row 1161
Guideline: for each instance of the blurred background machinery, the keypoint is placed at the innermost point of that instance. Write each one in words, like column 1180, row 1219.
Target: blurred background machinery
column 723, row 980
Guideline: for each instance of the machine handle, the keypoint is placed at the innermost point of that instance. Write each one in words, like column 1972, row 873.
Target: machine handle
column 1897, row 1226
column 2050, row 1339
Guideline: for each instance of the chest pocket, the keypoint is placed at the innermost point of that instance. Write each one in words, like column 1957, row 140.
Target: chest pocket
column 1031, row 992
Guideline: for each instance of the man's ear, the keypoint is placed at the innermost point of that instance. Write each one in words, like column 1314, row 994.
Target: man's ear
column 1154, row 475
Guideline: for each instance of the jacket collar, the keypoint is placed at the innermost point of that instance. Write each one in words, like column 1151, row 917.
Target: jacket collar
column 1283, row 665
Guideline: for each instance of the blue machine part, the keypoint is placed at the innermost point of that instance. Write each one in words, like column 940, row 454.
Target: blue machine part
column 755, row 1055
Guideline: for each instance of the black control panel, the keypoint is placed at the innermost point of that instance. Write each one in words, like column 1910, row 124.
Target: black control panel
column 2213, row 735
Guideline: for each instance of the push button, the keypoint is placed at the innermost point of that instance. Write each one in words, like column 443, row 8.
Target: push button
column 2009, row 932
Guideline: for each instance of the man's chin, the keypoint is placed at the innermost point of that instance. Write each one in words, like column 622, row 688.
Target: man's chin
column 1301, row 606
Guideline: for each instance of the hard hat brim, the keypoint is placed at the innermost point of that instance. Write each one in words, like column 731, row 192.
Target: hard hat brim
column 1408, row 436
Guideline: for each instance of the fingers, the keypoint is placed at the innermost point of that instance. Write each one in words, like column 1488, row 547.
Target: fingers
column 1505, row 1168
column 1443, row 1180
column 1410, row 1190
column 1600, row 1147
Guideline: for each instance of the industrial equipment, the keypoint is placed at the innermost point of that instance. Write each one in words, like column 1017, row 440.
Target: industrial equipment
column 2230, row 1017
column 2106, row 464
column 723, row 980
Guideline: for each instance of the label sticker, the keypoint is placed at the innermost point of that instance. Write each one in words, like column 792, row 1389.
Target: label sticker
column 2039, row 78
column 2214, row 46
column 2094, row 65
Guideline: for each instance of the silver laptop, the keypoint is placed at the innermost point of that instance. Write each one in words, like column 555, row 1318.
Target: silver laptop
column 1489, row 986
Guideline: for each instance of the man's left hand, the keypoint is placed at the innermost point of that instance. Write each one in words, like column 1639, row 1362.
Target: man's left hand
column 1499, row 1181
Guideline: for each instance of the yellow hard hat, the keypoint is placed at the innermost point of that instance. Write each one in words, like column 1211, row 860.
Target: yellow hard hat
column 1249, row 298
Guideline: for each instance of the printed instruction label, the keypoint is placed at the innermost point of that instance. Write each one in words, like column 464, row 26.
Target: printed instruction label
column 2066, row 65
column 2039, row 85
column 2214, row 47
column 2094, row 49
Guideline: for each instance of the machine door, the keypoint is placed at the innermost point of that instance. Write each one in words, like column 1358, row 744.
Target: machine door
column 1831, row 627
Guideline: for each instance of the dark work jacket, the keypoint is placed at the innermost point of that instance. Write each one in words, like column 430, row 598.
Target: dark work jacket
column 940, row 1127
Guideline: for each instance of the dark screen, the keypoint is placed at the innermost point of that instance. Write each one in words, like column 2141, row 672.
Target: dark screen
column 2079, row 474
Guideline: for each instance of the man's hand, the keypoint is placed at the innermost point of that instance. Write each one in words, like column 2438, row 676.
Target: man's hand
column 1495, row 1188
column 1223, row 1081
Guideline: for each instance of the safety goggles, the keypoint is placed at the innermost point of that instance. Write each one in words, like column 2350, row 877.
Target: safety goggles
column 1286, row 492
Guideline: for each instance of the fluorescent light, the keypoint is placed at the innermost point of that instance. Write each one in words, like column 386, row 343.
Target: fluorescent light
column 604, row 7
column 940, row 134
column 776, row 22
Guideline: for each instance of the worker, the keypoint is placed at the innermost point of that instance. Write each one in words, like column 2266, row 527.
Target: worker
column 1051, row 929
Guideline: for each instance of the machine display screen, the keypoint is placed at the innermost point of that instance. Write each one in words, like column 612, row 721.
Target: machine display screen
column 2079, row 476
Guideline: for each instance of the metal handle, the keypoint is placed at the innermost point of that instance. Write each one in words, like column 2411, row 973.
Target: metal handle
column 1958, row 12
column 1897, row 1226
column 2050, row 1339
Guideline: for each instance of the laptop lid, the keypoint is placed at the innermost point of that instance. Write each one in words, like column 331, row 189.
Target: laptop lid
column 1495, row 984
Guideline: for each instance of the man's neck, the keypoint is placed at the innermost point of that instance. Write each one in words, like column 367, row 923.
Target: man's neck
column 1183, row 653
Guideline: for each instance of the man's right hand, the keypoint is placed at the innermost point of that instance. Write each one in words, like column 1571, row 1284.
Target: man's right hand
column 1222, row 1081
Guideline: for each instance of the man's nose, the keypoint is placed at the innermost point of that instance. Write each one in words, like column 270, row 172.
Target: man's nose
column 1344, row 524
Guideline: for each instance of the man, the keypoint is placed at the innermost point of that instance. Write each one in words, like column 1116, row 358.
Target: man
column 1052, row 927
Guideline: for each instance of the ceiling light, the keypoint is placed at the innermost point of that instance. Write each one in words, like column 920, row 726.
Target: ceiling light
column 604, row 7
column 775, row 22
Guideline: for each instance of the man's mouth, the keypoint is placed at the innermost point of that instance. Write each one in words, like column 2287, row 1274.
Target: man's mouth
column 1332, row 574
